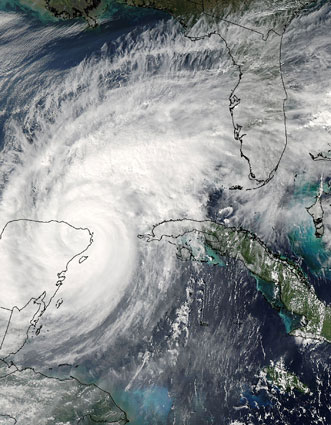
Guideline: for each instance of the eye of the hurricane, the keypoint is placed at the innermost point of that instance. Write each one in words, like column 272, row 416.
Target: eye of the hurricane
column 111, row 148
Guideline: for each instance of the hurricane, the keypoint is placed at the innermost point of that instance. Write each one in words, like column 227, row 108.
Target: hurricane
column 111, row 147
column 129, row 129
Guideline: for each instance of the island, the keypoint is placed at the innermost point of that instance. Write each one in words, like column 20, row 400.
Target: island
column 321, row 156
column 316, row 212
column 282, row 282
column 277, row 374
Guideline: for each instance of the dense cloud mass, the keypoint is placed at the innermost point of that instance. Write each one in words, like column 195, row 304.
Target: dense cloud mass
column 114, row 150
column 140, row 132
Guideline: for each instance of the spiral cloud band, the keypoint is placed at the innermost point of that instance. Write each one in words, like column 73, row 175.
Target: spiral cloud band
column 136, row 134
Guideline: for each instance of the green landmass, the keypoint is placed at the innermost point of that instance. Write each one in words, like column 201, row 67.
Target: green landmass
column 33, row 398
column 265, row 15
column 68, row 9
column 90, row 10
column 286, row 280
column 284, row 380
column 295, row 292
column 185, row 11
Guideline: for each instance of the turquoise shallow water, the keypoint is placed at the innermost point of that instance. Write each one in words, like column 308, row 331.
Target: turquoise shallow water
column 255, row 401
column 302, row 237
column 14, row 5
column 311, row 249
column 149, row 405
column 145, row 405
column 152, row 405
column 214, row 257
column 113, row 10
column 291, row 321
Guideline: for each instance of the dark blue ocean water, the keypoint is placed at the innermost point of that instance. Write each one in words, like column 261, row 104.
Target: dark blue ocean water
column 233, row 331
column 57, row 53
